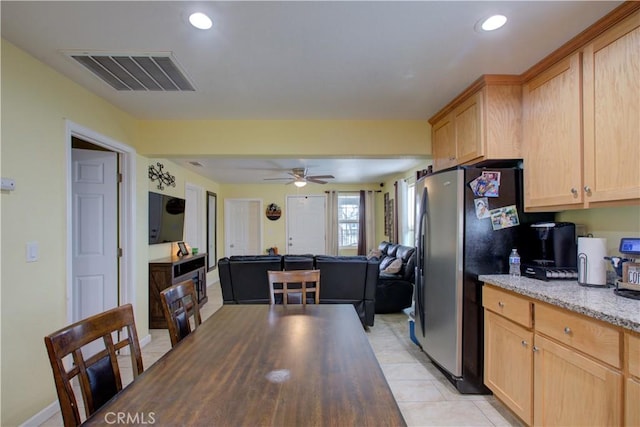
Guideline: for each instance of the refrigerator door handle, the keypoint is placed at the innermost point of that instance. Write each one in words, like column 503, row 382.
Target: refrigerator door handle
column 420, row 257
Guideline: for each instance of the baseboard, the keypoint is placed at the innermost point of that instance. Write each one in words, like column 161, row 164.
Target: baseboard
column 144, row 341
column 42, row 416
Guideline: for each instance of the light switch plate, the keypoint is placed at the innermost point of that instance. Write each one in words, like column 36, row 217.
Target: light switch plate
column 32, row 251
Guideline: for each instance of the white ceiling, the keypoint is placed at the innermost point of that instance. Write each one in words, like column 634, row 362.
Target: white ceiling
column 300, row 60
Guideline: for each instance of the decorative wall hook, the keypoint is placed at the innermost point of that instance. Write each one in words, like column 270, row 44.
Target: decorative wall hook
column 162, row 177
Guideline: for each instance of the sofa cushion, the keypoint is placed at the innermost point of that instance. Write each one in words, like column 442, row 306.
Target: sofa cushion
column 394, row 266
column 374, row 253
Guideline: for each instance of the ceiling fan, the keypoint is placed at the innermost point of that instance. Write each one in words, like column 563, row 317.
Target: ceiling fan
column 299, row 177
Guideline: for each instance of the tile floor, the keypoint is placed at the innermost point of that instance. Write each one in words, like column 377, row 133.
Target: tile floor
column 424, row 395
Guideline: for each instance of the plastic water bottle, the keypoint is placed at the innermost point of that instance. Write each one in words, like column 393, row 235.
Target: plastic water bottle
column 514, row 263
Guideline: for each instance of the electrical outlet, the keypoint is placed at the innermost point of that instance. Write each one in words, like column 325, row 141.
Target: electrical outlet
column 8, row 184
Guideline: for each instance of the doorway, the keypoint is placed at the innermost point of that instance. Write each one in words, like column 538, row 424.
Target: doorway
column 99, row 158
column 242, row 227
column 306, row 225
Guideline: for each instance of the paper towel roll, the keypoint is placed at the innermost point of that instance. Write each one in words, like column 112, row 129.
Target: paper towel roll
column 592, row 267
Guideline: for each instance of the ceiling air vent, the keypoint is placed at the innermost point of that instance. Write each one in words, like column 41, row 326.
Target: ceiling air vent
column 140, row 72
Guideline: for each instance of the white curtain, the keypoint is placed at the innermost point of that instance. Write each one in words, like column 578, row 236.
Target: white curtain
column 370, row 220
column 332, row 223
column 403, row 214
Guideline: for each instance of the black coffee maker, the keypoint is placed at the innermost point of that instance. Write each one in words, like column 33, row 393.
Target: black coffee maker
column 550, row 252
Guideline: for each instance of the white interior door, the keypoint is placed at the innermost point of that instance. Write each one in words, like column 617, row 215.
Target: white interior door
column 95, row 232
column 306, row 225
column 194, row 216
column 243, row 227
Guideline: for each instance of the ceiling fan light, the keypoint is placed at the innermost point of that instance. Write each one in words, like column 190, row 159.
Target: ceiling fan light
column 299, row 183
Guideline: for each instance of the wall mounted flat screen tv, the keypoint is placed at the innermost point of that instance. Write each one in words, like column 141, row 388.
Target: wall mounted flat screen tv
column 166, row 218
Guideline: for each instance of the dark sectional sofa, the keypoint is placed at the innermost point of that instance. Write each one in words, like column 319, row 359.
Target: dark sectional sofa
column 394, row 291
column 343, row 279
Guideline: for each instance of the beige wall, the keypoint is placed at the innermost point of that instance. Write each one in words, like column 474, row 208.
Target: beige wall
column 35, row 103
column 610, row 223
column 274, row 232
column 289, row 138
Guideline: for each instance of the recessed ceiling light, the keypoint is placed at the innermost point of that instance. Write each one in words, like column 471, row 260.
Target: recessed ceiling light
column 493, row 22
column 200, row 21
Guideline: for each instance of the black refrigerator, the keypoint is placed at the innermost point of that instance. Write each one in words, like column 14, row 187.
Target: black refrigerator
column 467, row 221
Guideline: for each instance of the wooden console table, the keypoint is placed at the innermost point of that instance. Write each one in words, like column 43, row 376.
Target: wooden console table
column 165, row 272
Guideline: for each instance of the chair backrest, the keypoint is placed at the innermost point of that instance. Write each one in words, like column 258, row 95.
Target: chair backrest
column 98, row 374
column 295, row 283
column 179, row 304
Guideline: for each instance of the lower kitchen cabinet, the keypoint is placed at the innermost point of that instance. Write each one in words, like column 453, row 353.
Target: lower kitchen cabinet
column 508, row 362
column 632, row 403
column 551, row 366
column 573, row 389
column 632, row 386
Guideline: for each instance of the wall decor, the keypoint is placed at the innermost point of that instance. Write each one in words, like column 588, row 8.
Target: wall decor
column 212, row 230
column 163, row 178
column 273, row 212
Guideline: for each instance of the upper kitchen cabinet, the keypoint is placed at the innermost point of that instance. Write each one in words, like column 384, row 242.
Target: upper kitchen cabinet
column 611, row 99
column 482, row 123
column 551, row 136
column 581, row 122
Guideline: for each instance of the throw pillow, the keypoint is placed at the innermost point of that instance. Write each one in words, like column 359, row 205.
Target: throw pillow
column 374, row 253
column 394, row 267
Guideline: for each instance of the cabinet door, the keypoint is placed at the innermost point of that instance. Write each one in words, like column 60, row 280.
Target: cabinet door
column 571, row 389
column 508, row 364
column 467, row 122
column 443, row 143
column 632, row 408
column 552, row 144
column 612, row 114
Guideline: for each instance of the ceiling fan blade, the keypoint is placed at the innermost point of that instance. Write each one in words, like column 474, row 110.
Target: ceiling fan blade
column 276, row 179
column 317, row 181
column 321, row 177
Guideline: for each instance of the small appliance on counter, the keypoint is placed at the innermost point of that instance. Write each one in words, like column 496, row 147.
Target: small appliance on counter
column 627, row 269
column 552, row 251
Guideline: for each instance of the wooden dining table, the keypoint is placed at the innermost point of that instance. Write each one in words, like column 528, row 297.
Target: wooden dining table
column 263, row 365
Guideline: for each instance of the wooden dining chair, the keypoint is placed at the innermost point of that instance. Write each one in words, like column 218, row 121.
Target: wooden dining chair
column 179, row 304
column 294, row 285
column 98, row 373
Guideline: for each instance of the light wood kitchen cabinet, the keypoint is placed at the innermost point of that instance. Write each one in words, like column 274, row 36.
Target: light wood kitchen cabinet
column 611, row 96
column 482, row 123
column 508, row 356
column 552, row 366
column 632, row 385
column 443, row 144
column 581, row 126
column 573, row 389
column 552, row 142
column 508, row 362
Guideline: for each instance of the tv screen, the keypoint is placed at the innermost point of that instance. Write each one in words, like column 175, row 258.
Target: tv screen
column 166, row 218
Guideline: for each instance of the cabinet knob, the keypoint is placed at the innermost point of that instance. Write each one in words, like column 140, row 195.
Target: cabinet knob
column 574, row 192
column 524, row 343
column 500, row 304
column 535, row 349
column 567, row 330
column 587, row 189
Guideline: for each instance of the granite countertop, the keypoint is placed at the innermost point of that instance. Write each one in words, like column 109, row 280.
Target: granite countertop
column 599, row 303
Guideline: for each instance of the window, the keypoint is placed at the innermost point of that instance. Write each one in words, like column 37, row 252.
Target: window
column 348, row 220
column 411, row 213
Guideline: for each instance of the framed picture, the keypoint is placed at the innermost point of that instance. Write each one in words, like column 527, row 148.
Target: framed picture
column 183, row 249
